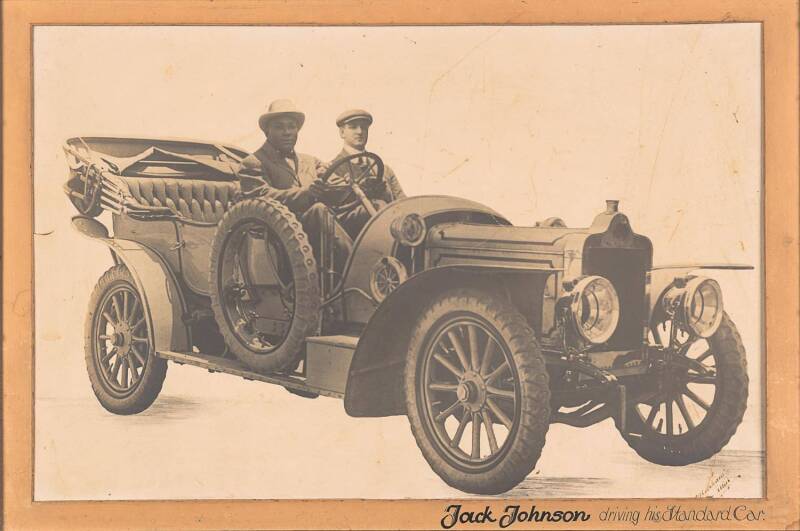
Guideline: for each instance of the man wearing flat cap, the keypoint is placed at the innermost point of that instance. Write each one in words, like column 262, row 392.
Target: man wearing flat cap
column 290, row 177
column 354, row 130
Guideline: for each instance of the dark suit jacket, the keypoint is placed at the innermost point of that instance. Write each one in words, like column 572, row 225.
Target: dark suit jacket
column 393, row 190
column 288, row 186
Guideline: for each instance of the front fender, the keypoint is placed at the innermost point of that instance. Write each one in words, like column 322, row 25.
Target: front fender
column 162, row 299
column 375, row 378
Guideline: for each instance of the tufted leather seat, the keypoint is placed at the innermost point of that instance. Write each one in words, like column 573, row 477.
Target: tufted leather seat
column 196, row 199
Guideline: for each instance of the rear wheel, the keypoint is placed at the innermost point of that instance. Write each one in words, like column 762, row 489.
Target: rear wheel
column 126, row 375
column 698, row 400
column 477, row 392
column 264, row 284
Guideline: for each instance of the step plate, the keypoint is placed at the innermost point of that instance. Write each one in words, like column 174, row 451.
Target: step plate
column 229, row 366
column 328, row 361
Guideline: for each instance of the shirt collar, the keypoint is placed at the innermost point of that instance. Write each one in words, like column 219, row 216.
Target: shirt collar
column 273, row 152
column 351, row 150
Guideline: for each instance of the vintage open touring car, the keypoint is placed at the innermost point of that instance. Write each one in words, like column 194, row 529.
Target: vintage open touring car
column 481, row 332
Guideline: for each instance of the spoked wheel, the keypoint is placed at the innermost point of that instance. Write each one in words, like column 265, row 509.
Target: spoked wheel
column 256, row 323
column 264, row 284
column 697, row 399
column 477, row 392
column 126, row 375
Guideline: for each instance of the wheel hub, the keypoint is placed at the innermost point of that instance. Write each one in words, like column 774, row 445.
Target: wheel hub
column 471, row 391
column 122, row 338
column 463, row 392
column 117, row 339
column 675, row 376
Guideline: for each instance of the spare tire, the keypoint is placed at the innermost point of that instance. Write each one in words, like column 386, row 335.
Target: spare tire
column 264, row 284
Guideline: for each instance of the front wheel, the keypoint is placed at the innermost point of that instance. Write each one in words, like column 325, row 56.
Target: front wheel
column 697, row 402
column 125, row 373
column 477, row 391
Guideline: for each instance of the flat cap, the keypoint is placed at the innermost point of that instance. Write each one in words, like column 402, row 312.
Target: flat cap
column 353, row 114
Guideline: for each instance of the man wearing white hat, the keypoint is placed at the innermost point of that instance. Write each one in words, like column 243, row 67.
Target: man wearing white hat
column 354, row 127
column 292, row 178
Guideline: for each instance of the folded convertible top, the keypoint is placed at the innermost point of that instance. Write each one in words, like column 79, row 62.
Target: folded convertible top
column 161, row 158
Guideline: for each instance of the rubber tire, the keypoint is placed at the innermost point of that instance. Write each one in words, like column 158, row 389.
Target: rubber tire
column 155, row 371
column 520, row 340
column 306, row 280
column 720, row 423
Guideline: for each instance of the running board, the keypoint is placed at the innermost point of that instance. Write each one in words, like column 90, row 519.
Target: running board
column 229, row 366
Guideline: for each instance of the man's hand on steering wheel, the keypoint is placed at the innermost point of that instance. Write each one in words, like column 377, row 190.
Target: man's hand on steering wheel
column 374, row 188
column 357, row 175
column 321, row 168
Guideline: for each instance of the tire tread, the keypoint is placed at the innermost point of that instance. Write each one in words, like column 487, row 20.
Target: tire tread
column 155, row 372
column 534, row 409
column 716, row 432
column 304, row 269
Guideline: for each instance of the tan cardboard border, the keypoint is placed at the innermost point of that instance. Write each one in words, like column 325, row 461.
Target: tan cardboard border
column 779, row 20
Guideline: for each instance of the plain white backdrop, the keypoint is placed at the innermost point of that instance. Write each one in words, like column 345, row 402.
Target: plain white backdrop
column 534, row 121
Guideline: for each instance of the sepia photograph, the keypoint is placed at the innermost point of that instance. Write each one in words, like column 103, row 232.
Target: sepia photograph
column 425, row 262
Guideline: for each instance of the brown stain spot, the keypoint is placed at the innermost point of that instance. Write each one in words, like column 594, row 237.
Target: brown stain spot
column 787, row 241
column 22, row 303
column 734, row 166
column 169, row 71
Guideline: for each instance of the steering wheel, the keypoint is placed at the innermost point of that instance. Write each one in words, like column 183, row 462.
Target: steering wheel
column 364, row 172
column 373, row 161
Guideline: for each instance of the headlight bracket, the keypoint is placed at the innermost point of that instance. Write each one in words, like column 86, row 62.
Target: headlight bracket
column 695, row 304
